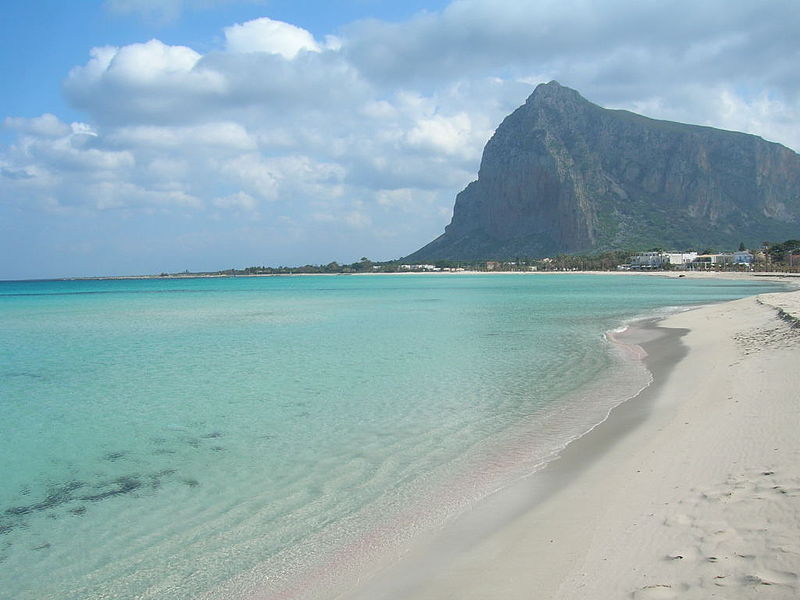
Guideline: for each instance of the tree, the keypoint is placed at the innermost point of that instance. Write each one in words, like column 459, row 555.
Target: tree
column 780, row 252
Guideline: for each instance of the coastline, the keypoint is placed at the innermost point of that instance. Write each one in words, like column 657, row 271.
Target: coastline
column 416, row 507
column 690, row 489
column 740, row 275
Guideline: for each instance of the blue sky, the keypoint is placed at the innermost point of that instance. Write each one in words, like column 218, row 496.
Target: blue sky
column 41, row 40
column 141, row 136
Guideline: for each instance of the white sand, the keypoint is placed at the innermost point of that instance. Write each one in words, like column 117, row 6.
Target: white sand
column 690, row 491
column 709, row 504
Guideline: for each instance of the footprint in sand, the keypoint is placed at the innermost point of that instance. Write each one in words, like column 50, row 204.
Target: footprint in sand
column 685, row 553
column 771, row 577
column 655, row 592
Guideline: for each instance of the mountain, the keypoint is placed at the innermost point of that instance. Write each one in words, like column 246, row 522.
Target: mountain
column 563, row 175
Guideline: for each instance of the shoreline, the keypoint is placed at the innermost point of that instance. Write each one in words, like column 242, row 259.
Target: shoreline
column 648, row 483
column 701, row 274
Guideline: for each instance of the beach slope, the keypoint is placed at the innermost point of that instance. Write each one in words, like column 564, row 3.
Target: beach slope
column 691, row 490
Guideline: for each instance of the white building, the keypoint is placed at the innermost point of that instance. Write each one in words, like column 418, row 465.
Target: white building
column 648, row 260
column 658, row 260
column 680, row 258
column 708, row 259
column 683, row 260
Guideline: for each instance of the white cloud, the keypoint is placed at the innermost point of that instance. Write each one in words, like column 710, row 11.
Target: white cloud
column 384, row 120
column 166, row 171
column 63, row 154
column 285, row 177
column 770, row 118
column 214, row 136
column 358, row 220
column 380, row 110
column 353, row 219
column 46, row 126
column 238, row 201
column 254, row 174
column 82, row 129
column 446, row 135
column 142, row 82
column 151, row 63
column 108, row 195
column 54, row 148
column 272, row 37
column 409, row 199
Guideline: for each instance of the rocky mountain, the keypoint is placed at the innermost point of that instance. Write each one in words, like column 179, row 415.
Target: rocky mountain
column 563, row 175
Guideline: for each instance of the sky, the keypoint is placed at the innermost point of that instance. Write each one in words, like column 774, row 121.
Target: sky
column 149, row 136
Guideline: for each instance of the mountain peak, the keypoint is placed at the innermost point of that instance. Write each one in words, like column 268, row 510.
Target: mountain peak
column 553, row 90
column 563, row 175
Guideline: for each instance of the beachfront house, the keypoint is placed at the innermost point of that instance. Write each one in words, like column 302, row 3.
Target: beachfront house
column 680, row 259
column 660, row 260
column 419, row 268
column 649, row 260
column 706, row 261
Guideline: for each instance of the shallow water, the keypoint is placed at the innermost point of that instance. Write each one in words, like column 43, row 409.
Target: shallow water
column 268, row 436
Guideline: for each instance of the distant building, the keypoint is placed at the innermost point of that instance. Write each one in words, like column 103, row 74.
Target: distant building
column 743, row 258
column 709, row 260
column 705, row 260
column 680, row 258
column 649, row 260
column 659, row 260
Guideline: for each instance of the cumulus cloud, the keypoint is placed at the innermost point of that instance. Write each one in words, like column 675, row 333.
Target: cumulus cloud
column 272, row 37
column 46, row 125
column 374, row 130
column 147, row 82
column 450, row 136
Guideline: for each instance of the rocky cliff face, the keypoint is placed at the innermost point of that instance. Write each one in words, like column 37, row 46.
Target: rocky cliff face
column 563, row 175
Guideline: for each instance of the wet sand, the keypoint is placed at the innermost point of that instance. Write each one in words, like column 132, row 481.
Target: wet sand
column 690, row 490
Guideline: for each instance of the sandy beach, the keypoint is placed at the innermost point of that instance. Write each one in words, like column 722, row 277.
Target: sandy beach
column 691, row 490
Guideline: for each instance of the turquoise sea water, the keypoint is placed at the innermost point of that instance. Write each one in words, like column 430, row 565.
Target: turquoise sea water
column 269, row 437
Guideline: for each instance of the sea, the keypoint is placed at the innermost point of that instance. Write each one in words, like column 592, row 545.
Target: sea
column 278, row 437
